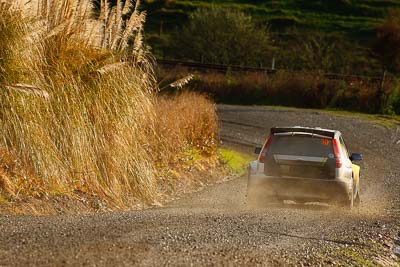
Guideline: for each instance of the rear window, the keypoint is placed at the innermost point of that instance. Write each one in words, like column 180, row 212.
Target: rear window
column 301, row 146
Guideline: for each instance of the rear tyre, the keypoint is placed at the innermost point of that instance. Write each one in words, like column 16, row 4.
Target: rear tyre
column 357, row 200
column 348, row 202
column 351, row 202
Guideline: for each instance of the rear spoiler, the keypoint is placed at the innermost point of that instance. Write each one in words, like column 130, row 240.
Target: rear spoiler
column 299, row 130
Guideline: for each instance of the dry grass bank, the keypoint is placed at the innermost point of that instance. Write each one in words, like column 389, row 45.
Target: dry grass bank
column 189, row 159
column 79, row 114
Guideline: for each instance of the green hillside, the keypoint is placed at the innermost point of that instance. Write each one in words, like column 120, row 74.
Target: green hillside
column 355, row 17
column 354, row 20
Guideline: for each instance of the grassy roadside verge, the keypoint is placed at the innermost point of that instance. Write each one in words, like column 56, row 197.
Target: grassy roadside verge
column 236, row 161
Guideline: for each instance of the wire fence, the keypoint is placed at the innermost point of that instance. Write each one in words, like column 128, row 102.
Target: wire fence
column 234, row 68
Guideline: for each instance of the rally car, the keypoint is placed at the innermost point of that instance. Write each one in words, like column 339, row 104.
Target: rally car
column 304, row 165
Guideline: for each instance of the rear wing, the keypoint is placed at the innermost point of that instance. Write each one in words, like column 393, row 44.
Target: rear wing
column 300, row 130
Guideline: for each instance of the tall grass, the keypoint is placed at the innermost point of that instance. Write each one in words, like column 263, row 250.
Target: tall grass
column 78, row 107
column 189, row 122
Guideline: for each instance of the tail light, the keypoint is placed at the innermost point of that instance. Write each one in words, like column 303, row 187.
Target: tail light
column 338, row 153
column 265, row 149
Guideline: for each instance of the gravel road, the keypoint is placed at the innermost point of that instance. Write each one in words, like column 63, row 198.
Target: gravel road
column 214, row 226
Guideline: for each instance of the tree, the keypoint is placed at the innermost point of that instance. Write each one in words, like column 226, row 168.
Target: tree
column 387, row 50
column 317, row 51
column 386, row 47
column 223, row 36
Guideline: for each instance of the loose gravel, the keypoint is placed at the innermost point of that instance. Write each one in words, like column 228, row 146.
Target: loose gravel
column 215, row 227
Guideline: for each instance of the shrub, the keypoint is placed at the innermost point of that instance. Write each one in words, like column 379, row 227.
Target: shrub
column 386, row 47
column 317, row 51
column 391, row 103
column 223, row 36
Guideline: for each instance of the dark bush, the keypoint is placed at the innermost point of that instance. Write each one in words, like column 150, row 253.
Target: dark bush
column 387, row 44
column 316, row 51
column 223, row 36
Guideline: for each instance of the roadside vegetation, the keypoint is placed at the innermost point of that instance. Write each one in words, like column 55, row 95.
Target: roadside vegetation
column 222, row 36
column 80, row 114
column 303, row 89
column 301, row 80
column 236, row 161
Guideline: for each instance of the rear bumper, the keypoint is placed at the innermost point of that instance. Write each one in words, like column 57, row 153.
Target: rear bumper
column 295, row 188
